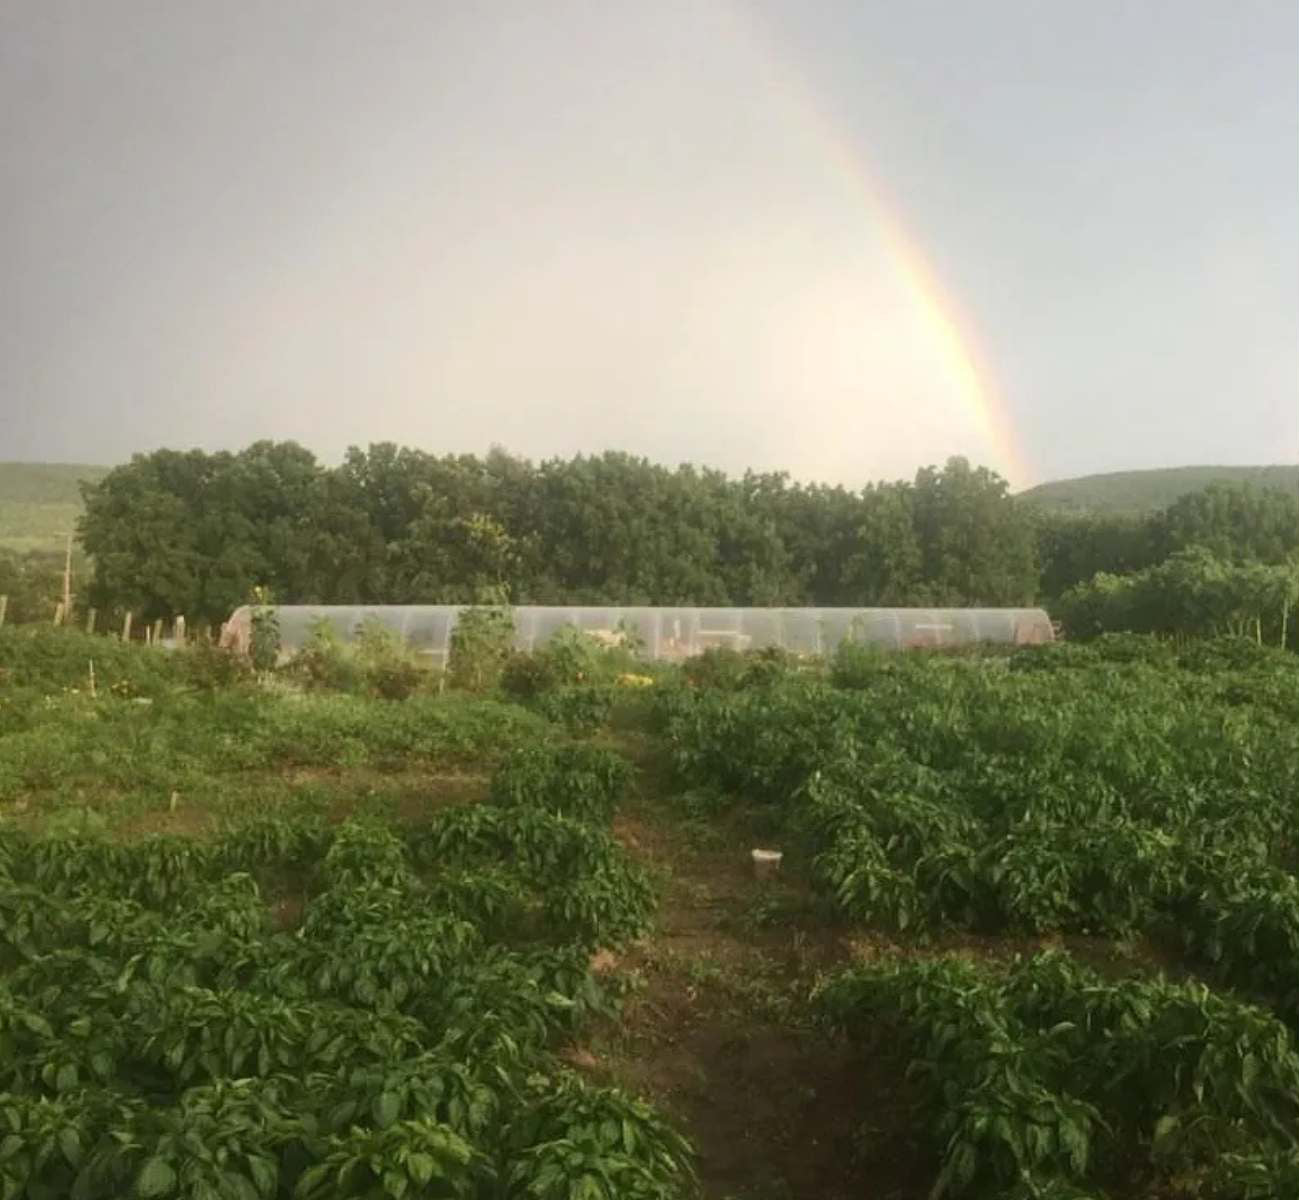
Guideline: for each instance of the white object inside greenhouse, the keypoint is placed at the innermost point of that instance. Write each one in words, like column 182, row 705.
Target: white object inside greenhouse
column 668, row 633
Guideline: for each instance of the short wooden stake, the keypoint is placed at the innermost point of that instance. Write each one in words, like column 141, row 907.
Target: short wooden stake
column 90, row 620
column 4, row 604
column 126, row 626
column 92, row 679
column 58, row 613
column 178, row 631
column 157, row 632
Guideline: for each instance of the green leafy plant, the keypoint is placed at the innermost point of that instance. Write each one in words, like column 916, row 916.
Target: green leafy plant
column 406, row 1160
column 264, row 644
column 480, row 646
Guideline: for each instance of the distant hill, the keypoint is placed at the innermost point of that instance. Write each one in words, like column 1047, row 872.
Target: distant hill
column 1144, row 491
column 40, row 502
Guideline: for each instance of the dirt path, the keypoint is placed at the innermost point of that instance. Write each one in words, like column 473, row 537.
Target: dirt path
column 718, row 1032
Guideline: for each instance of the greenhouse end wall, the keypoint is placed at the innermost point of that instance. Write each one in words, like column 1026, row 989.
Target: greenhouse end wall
column 669, row 634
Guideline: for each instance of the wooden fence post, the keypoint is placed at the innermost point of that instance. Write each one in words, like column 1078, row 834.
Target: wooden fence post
column 178, row 631
column 67, row 581
column 58, row 613
column 4, row 604
column 90, row 620
column 157, row 632
column 126, row 626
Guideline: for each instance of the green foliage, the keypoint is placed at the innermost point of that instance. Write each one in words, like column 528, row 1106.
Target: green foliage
column 322, row 662
column 408, row 1160
column 734, row 670
column 389, row 670
column 1048, row 1075
column 577, row 1140
column 265, row 641
column 33, row 582
column 1085, row 789
column 51, row 660
column 191, row 532
column 376, row 663
column 158, row 1037
column 587, row 891
column 203, row 665
column 581, row 781
column 480, row 646
column 581, row 707
column 576, row 679
column 1190, row 593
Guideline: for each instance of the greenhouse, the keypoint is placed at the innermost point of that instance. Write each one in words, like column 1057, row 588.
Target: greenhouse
column 668, row 633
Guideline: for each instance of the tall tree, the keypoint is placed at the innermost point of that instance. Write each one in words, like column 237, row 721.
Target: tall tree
column 976, row 544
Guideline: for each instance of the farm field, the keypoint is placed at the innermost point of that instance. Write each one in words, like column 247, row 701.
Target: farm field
column 1036, row 931
column 40, row 503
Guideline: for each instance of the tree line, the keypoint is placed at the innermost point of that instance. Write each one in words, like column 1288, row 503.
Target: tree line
column 194, row 532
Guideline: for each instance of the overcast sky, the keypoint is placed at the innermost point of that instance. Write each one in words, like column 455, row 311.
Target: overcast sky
column 776, row 235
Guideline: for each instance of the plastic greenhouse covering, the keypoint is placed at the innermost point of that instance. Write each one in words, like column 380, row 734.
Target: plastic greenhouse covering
column 670, row 633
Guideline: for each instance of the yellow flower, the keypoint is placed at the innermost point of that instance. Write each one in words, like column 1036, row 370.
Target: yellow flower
column 628, row 680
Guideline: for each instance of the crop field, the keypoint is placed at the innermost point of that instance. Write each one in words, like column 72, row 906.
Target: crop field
column 1035, row 932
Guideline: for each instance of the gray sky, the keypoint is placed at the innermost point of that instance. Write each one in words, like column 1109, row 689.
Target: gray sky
column 840, row 238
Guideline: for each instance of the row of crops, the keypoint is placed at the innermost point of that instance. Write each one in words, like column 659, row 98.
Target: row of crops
column 161, row 1036
column 1124, row 791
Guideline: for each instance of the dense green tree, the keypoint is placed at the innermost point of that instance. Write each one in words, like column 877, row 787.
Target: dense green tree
column 193, row 533
column 885, row 560
column 976, row 544
column 1192, row 592
column 1073, row 548
column 1236, row 522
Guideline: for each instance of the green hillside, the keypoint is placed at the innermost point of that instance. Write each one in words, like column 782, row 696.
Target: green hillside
column 1143, row 491
column 40, row 502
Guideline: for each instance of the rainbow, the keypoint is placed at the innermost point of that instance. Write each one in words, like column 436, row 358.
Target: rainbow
column 949, row 332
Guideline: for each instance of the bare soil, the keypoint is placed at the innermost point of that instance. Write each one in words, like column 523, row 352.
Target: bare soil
column 718, row 1032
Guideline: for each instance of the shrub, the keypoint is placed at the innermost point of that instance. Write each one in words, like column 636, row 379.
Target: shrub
column 480, row 645
column 205, row 666
column 389, row 669
column 581, row 707
column 585, row 782
column 265, row 647
column 725, row 669
column 322, row 661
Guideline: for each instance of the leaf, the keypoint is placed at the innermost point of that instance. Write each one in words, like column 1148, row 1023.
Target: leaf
column 313, row 1179
column 37, row 1024
column 238, row 1186
column 1165, row 1127
column 156, row 1178
column 386, row 1109
column 70, row 1144
column 420, row 1166
column 264, row 1174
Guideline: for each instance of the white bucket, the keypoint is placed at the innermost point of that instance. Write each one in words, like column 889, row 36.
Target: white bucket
column 766, row 862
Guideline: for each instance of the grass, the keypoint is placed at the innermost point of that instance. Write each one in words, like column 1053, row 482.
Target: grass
column 40, row 502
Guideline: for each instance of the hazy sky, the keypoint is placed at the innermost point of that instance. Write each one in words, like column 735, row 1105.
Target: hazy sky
column 840, row 238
